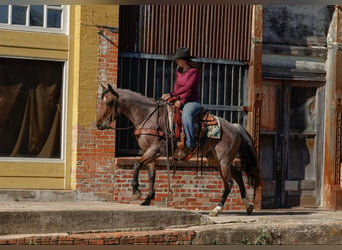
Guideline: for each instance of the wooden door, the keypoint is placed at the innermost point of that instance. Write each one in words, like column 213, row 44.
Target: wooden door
column 291, row 144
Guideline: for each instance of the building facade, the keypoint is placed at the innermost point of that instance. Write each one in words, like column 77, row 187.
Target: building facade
column 55, row 58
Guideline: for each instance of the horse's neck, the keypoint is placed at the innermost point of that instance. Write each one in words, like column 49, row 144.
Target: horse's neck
column 136, row 112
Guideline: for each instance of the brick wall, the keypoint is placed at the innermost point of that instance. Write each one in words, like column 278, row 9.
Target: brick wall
column 164, row 237
column 96, row 169
column 98, row 54
column 193, row 187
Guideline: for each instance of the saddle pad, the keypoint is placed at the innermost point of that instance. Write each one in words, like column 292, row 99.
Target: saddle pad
column 214, row 130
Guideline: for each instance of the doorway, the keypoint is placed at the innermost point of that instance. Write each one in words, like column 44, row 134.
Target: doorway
column 291, row 143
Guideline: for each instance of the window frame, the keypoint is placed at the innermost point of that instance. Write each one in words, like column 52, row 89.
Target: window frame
column 44, row 29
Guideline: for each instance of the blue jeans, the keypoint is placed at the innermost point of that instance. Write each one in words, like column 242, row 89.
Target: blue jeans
column 190, row 110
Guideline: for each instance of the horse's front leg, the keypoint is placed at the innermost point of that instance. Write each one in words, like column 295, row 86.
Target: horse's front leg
column 152, row 177
column 148, row 159
column 135, row 182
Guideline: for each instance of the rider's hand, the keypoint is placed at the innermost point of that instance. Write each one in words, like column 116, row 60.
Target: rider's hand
column 165, row 96
column 178, row 104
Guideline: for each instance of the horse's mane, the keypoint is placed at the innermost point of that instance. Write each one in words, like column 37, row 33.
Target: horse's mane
column 135, row 96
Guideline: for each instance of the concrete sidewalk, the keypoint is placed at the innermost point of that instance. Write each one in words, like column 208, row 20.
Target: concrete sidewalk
column 54, row 217
column 114, row 223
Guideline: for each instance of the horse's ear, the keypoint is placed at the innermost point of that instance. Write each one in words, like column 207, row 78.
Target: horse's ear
column 103, row 87
column 113, row 91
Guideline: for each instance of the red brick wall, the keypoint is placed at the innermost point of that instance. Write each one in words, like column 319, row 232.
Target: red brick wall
column 164, row 237
column 98, row 173
column 192, row 187
column 96, row 149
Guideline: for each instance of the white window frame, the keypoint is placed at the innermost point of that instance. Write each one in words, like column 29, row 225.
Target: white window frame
column 64, row 29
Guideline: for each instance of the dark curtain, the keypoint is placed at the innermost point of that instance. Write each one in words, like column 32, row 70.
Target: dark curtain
column 30, row 108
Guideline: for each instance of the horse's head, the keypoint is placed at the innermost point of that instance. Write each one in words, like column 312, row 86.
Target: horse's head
column 108, row 108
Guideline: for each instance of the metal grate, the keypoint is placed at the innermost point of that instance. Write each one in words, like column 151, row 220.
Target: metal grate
column 223, row 88
column 218, row 35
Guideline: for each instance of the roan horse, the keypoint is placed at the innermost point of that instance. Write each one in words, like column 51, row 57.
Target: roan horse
column 148, row 116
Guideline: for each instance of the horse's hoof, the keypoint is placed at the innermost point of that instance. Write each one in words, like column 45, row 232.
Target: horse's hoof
column 137, row 194
column 250, row 209
column 146, row 203
column 215, row 211
column 178, row 155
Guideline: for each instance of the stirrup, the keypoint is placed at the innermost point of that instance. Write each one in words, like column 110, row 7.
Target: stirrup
column 184, row 154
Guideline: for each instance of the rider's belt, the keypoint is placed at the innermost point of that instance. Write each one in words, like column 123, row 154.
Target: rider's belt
column 149, row 131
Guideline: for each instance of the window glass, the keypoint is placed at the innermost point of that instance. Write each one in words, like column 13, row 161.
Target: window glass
column 36, row 15
column 54, row 18
column 19, row 14
column 3, row 14
column 30, row 108
column 38, row 18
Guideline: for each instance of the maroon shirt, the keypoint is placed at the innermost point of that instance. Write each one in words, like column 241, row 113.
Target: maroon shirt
column 186, row 86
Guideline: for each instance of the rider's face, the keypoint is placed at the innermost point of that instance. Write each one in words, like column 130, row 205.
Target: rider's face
column 181, row 63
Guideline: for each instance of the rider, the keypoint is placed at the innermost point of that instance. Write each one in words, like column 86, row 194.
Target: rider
column 186, row 93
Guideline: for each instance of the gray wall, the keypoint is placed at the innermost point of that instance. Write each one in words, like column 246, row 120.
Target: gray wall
column 299, row 25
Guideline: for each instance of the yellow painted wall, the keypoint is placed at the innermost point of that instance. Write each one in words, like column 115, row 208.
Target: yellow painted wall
column 33, row 173
column 102, row 15
column 79, row 49
column 85, row 70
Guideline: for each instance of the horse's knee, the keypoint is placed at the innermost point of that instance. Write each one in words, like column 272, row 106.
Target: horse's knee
column 230, row 184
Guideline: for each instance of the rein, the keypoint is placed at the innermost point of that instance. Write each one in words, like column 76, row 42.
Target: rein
column 133, row 126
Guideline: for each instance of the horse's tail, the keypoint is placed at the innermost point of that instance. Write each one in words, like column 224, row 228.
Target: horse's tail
column 249, row 157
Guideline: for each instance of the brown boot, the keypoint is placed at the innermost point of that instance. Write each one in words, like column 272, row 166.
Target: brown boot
column 183, row 154
column 188, row 152
column 178, row 154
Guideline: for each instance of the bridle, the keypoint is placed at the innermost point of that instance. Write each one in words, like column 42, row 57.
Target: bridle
column 114, row 113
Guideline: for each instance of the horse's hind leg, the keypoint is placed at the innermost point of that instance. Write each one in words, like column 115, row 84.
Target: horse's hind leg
column 237, row 175
column 152, row 177
column 228, row 183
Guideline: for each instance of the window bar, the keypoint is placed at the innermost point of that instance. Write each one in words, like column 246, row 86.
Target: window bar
column 27, row 18
column 225, row 82
column 210, row 81
column 146, row 77
column 154, row 78
column 130, row 75
column 138, row 73
column 163, row 78
column 239, row 101
column 217, row 85
column 45, row 15
column 9, row 19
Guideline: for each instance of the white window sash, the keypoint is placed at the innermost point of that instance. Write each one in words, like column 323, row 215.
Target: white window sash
column 64, row 21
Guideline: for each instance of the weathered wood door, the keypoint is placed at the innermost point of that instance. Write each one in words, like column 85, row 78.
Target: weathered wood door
column 291, row 143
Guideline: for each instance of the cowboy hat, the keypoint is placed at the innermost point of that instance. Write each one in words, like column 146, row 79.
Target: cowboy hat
column 183, row 53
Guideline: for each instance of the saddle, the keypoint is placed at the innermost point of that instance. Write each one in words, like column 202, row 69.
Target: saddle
column 206, row 126
column 203, row 120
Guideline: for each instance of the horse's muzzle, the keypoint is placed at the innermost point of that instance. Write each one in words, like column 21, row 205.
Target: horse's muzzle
column 100, row 127
column 103, row 126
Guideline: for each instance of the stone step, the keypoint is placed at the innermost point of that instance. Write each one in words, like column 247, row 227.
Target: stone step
column 54, row 217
